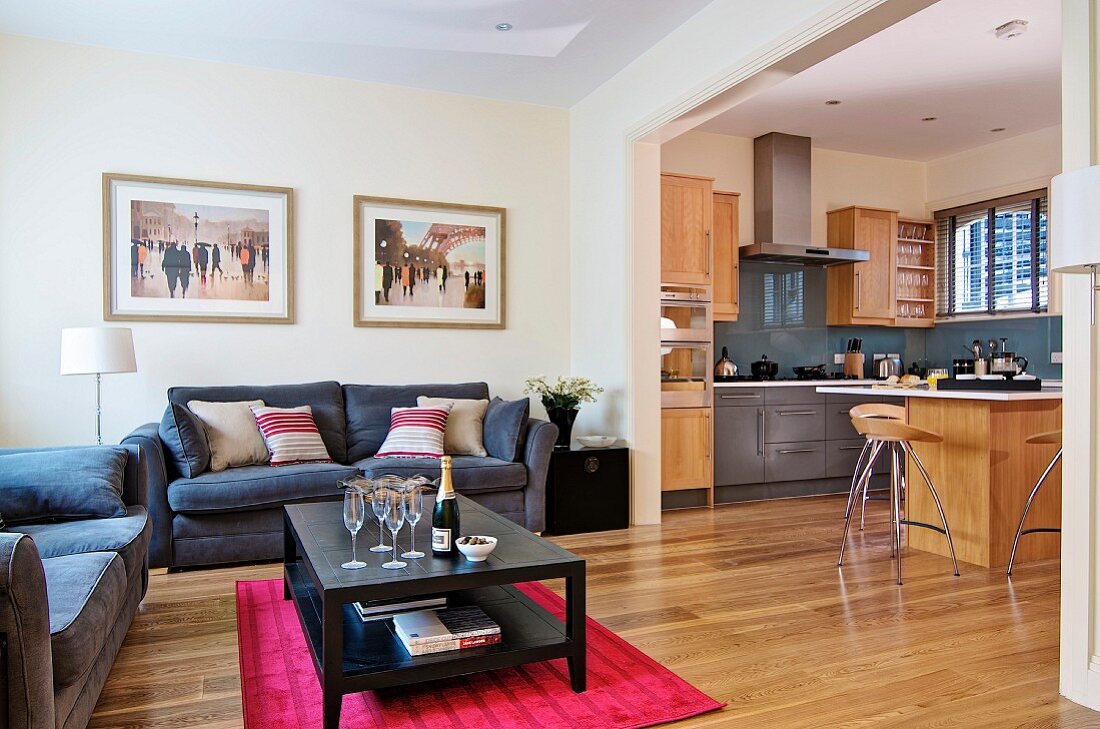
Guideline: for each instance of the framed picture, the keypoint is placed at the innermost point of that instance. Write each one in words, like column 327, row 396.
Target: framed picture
column 192, row 250
column 428, row 264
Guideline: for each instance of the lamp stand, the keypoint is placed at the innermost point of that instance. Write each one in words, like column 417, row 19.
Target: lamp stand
column 98, row 412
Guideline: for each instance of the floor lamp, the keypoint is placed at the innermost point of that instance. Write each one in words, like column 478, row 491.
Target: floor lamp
column 97, row 351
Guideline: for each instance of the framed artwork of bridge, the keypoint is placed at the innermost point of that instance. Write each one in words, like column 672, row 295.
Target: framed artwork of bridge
column 428, row 264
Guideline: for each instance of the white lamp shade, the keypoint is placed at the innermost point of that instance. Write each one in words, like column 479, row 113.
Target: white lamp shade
column 1075, row 220
column 97, row 350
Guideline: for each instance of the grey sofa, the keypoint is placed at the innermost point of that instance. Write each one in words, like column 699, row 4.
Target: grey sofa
column 236, row 515
column 68, row 593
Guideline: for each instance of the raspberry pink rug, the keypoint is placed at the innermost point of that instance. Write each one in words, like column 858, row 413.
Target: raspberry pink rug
column 626, row 688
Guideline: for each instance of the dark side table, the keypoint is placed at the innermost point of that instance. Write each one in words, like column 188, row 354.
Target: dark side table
column 588, row 490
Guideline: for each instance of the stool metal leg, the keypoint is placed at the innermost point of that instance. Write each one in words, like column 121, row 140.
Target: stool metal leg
column 936, row 498
column 1027, row 508
column 895, row 501
column 862, row 484
column 856, row 473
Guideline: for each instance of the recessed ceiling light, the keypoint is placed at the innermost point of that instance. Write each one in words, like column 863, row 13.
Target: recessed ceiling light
column 1011, row 29
column 503, row 26
column 832, row 102
column 929, row 118
column 997, row 129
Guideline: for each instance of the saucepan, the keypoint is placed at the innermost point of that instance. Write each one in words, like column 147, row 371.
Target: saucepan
column 764, row 367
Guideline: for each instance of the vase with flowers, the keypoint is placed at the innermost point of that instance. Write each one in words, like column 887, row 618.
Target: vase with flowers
column 561, row 401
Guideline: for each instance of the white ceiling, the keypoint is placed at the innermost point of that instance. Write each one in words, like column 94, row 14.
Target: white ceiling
column 556, row 53
column 943, row 62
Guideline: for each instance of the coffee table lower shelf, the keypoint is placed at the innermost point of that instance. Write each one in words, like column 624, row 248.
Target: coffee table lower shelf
column 373, row 656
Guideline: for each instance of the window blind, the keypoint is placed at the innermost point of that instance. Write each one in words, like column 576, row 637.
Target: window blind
column 784, row 299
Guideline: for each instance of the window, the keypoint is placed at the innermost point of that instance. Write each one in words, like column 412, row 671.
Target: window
column 991, row 257
column 784, row 294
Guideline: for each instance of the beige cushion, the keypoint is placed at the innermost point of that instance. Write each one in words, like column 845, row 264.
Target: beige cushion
column 464, row 434
column 231, row 430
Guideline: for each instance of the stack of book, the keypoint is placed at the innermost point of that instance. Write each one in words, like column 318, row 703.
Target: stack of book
column 381, row 609
column 436, row 631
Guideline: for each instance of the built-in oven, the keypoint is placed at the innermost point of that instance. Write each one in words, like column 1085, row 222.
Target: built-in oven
column 686, row 351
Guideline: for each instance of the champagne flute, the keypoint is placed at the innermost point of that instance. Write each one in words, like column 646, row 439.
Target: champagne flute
column 355, row 512
column 414, row 509
column 395, row 519
column 378, row 506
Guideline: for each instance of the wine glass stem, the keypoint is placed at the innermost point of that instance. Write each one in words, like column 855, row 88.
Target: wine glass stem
column 353, row 536
column 412, row 537
column 381, row 534
column 394, row 536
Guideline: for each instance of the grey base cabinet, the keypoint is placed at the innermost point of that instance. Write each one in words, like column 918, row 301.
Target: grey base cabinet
column 740, row 457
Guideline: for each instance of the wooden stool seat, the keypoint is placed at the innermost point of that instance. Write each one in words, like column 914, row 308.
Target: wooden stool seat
column 893, row 431
column 878, row 410
column 1054, row 437
column 866, row 410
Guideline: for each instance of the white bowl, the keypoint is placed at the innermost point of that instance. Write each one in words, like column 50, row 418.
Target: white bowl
column 596, row 441
column 476, row 552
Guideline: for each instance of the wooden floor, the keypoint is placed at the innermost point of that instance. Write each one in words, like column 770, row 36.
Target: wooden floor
column 744, row 601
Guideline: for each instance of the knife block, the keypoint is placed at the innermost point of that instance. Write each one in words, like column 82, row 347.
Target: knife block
column 853, row 365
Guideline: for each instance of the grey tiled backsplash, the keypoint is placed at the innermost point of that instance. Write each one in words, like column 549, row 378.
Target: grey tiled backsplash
column 791, row 330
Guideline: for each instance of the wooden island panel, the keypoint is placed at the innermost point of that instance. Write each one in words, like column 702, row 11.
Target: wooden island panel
column 984, row 471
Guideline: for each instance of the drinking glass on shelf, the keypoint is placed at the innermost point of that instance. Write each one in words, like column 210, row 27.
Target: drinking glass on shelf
column 378, row 506
column 414, row 509
column 904, row 310
column 924, row 280
column 394, row 513
column 918, row 250
column 919, row 313
column 355, row 512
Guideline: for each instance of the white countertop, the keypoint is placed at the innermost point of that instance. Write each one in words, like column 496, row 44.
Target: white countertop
column 1047, row 393
column 789, row 383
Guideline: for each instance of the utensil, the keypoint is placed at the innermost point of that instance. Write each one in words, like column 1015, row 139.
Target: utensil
column 725, row 366
column 765, row 368
column 810, row 372
column 355, row 512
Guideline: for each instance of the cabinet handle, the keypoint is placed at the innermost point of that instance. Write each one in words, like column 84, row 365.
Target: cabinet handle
column 740, row 397
column 844, row 412
column 708, row 253
column 796, row 412
column 760, row 432
column 858, row 297
column 850, row 448
column 796, row 450
column 709, row 437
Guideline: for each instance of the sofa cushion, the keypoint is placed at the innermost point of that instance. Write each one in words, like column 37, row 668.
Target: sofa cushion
column 69, row 483
column 184, row 440
column 506, row 427
column 470, row 474
column 232, row 433
column 253, row 487
column 465, row 425
column 326, row 400
column 291, row 435
column 128, row 535
column 369, row 406
column 416, row 432
column 85, row 593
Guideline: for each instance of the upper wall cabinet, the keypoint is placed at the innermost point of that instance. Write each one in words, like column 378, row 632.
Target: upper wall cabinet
column 686, row 222
column 865, row 292
column 726, row 243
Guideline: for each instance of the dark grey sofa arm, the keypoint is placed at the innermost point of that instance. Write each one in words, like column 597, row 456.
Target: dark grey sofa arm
column 25, row 626
column 541, row 436
column 160, row 513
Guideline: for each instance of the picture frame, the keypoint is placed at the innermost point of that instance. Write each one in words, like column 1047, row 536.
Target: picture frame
column 181, row 250
column 420, row 263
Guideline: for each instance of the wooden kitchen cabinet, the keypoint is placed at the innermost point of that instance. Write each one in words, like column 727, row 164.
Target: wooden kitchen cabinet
column 686, row 221
column 865, row 292
column 686, row 450
column 726, row 267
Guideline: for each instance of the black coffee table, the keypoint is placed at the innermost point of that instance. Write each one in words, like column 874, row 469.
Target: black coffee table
column 352, row 656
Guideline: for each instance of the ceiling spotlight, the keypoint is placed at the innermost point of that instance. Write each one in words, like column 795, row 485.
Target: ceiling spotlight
column 503, row 26
column 1011, row 29
column 997, row 129
column 832, row 102
column 928, row 118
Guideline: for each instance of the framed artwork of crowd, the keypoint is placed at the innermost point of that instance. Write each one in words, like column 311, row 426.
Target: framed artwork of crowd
column 193, row 250
column 428, row 264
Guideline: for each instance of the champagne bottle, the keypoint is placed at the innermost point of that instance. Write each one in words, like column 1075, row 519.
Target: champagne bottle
column 445, row 516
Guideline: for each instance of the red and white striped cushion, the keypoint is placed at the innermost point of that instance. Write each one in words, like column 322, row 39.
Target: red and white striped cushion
column 416, row 432
column 291, row 435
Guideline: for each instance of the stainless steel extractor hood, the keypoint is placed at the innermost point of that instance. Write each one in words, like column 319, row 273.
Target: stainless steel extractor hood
column 782, row 206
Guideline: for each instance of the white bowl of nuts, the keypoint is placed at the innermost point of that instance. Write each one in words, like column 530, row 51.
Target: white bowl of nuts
column 476, row 548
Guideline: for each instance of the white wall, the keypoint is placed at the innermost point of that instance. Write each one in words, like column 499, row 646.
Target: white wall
column 1017, row 164
column 71, row 112
column 837, row 179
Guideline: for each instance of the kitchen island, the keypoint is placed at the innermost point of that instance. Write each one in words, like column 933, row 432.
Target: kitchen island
column 983, row 469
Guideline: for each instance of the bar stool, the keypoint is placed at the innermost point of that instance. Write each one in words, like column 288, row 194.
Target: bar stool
column 1051, row 438
column 867, row 410
column 881, row 431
